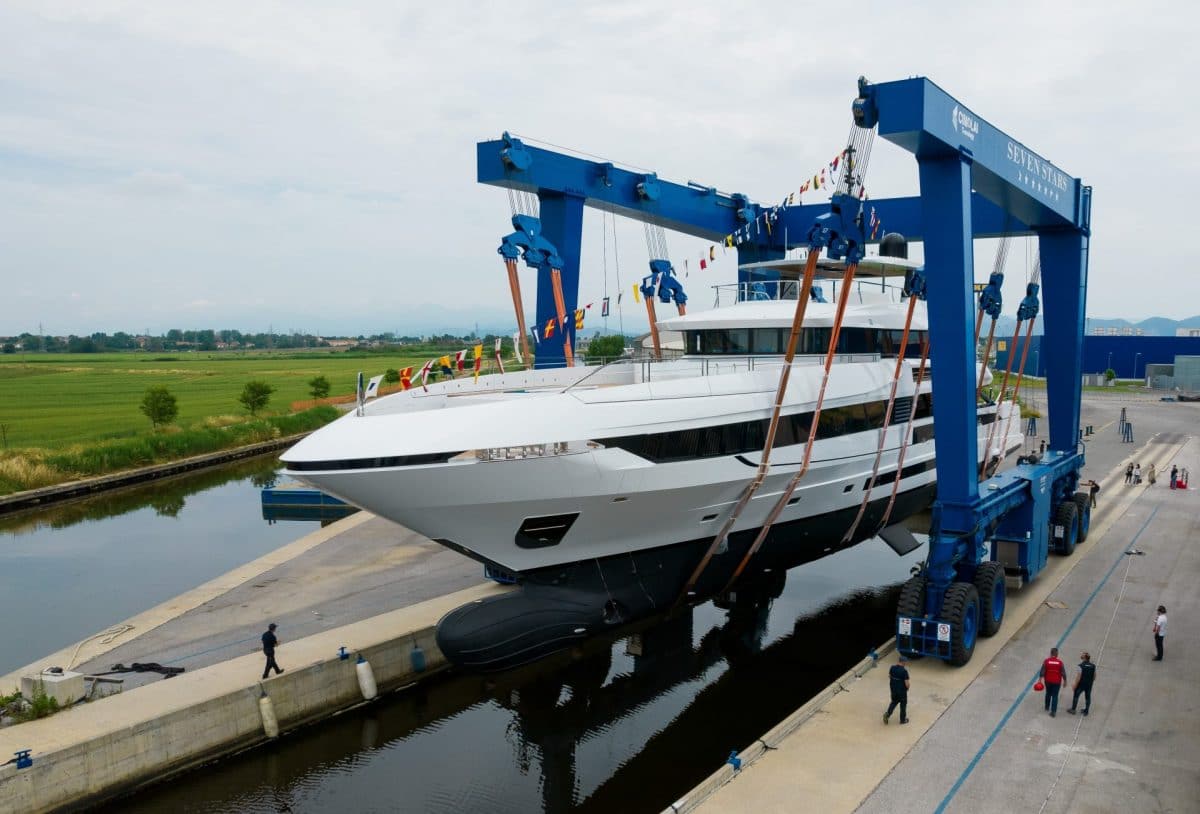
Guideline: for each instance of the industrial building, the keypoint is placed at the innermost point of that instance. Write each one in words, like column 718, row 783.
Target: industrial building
column 1166, row 362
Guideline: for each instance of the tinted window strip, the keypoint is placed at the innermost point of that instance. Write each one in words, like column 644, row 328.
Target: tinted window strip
column 372, row 463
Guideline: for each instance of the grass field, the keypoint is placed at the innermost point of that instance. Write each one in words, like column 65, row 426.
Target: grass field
column 52, row 401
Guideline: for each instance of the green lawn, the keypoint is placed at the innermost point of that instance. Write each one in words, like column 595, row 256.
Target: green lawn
column 50, row 401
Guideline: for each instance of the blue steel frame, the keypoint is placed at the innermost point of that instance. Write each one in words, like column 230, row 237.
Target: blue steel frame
column 976, row 182
column 565, row 184
column 959, row 156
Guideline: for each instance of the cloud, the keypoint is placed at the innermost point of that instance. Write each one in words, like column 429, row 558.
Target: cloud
column 321, row 159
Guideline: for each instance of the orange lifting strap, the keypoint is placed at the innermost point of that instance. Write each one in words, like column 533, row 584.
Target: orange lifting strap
column 653, row 327
column 987, row 450
column 987, row 351
column 887, row 421
column 560, row 306
column 810, row 270
column 1017, row 389
column 514, row 285
column 912, row 414
column 843, row 298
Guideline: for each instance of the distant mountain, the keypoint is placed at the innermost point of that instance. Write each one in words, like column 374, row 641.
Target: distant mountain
column 1152, row 326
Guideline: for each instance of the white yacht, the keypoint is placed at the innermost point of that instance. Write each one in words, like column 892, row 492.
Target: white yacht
column 599, row 489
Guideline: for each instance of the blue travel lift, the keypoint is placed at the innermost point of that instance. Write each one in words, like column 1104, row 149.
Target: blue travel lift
column 975, row 182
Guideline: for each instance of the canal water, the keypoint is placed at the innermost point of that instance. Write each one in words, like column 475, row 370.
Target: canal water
column 627, row 725
column 72, row 570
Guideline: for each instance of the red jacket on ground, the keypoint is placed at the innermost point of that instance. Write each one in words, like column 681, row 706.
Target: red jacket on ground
column 1053, row 670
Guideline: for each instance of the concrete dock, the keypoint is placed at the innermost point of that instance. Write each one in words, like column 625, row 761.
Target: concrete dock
column 979, row 739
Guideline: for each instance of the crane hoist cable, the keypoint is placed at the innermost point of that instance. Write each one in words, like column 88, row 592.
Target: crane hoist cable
column 887, row 421
column 1030, row 307
column 990, row 303
column 617, row 269
column 785, row 372
column 1026, row 312
column 830, row 354
column 906, row 439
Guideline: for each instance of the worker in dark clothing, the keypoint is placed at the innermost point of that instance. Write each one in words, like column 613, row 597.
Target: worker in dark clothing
column 1094, row 490
column 1083, row 683
column 898, row 676
column 269, row 640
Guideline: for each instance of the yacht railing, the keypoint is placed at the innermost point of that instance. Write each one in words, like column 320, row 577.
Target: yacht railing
column 768, row 290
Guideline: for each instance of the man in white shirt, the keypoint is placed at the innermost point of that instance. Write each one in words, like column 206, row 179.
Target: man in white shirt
column 1160, row 631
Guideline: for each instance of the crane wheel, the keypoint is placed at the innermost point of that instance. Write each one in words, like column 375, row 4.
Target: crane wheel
column 1083, row 501
column 1066, row 516
column 990, row 585
column 960, row 608
column 912, row 605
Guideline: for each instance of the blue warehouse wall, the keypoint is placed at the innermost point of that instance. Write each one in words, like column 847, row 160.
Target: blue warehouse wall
column 1127, row 355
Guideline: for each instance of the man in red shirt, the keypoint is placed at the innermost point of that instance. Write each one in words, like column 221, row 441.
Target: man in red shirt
column 1053, row 673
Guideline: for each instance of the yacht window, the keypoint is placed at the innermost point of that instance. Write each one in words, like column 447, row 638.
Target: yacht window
column 768, row 340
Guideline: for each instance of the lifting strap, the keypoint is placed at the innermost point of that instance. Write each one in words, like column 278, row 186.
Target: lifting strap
column 904, row 442
column 887, row 421
column 987, row 451
column 810, row 270
column 1017, row 389
column 561, row 309
column 847, row 280
column 653, row 326
column 514, row 285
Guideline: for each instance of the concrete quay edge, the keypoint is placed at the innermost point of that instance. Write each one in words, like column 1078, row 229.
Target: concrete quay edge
column 100, row 643
column 97, row 751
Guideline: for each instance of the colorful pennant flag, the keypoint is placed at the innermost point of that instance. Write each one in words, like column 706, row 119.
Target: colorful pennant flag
column 444, row 365
column 406, row 378
column 703, row 264
column 499, row 361
column 604, row 307
column 425, row 368
column 712, row 253
column 517, row 348
column 459, row 356
column 637, row 297
column 548, row 331
column 478, row 358
column 579, row 319
column 372, row 387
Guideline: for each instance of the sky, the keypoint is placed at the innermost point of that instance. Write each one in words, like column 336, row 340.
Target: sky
column 311, row 166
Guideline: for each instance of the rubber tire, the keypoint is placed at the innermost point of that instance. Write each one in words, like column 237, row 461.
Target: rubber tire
column 960, row 608
column 1083, row 501
column 992, row 590
column 1066, row 515
column 911, row 604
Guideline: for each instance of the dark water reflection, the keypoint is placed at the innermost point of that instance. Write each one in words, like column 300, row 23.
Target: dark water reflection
column 627, row 726
column 80, row 567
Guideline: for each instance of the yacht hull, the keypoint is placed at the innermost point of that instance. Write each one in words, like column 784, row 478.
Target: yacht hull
column 558, row 606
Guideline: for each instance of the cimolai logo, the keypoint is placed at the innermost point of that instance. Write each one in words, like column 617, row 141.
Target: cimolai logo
column 1040, row 169
column 964, row 122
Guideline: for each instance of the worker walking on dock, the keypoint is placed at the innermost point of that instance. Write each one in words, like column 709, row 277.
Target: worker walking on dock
column 1083, row 683
column 1160, row 631
column 1053, row 672
column 269, row 640
column 898, row 676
